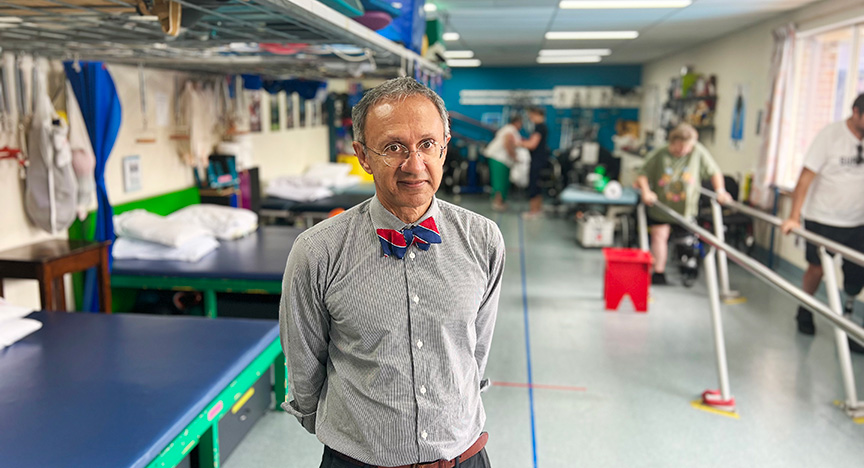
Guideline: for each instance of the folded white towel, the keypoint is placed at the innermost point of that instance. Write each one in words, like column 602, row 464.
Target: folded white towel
column 14, row 330
column 224, row 222
column 12, row 312
column 191, row 251
column 143, row 225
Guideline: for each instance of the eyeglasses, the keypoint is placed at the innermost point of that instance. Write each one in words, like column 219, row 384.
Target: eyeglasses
column 395, row 154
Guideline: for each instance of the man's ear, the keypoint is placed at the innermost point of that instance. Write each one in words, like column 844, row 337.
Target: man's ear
column 361, row 157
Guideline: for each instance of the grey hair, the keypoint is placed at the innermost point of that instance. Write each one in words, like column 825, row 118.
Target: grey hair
column 396, row 89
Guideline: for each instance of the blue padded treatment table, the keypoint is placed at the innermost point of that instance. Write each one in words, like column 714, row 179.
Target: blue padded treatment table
column 346, row 198
column 98, row 390
column 575, row 194
column 326, row 205
column 253, row 264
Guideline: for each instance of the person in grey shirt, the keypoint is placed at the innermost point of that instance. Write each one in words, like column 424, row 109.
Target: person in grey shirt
column 388, row 309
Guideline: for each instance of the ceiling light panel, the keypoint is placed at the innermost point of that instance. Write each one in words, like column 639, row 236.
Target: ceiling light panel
column 583, row 59
column 463, row 63
column 622, row 4
column 574, row 52
column 591, row 35
column 459, row 54
column 450, row 36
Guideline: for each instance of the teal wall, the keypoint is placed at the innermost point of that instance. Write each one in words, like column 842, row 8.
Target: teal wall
column 546, row 77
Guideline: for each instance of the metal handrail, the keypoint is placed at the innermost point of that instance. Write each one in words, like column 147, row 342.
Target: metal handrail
column 758, row 269
column 820, row 241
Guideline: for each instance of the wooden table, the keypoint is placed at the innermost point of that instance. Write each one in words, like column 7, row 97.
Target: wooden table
column 48, row 261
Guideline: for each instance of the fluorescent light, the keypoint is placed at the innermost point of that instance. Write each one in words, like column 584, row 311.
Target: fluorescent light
column 582, row 59
column 609, row 4
column 451, row 36
column 10, row 19
column 143, row 18
column 580, row 35
column 430, row 7
column 573, row 52
column 458, row 54
column 458, row 63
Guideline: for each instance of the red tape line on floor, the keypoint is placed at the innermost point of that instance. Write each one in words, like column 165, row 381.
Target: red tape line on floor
column 539, row 386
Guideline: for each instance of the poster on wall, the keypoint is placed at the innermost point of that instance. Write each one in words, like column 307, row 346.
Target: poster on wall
column 255, row 111
column 739, row 109
column 274, row 113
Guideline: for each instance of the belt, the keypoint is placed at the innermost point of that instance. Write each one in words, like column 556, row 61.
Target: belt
column 474, row 449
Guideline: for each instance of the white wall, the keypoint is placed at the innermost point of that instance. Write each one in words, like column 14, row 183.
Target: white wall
column 744, row 57
column 275, row 153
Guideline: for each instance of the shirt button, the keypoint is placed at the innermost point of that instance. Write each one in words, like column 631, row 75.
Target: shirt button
column 419, row 344
column 411, row 255
column 423, row 389
column 424, row 435
column 416, row 299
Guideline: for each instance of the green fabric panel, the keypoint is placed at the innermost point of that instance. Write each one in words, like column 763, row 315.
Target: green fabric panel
column 164, row 204
column 434, row 31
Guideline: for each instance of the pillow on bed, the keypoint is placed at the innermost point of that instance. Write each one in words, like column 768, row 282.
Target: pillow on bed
column 143, row 225
column 223, row 222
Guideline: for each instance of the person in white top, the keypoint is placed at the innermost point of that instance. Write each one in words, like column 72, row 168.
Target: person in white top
column 830, row 190
column 501, row 154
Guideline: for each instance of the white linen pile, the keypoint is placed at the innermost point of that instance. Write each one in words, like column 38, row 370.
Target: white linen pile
column 223, row 222
column 186, row 235
column 13, row 324
column 319, row 181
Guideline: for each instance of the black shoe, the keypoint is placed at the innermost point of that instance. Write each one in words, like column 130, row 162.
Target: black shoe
column 855, row 347
column 805, row 322
column 658, row 279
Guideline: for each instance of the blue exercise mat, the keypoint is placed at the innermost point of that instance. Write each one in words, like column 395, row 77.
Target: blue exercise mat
column 574, row 194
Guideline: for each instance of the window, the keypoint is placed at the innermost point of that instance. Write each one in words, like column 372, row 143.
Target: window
column 829, row 74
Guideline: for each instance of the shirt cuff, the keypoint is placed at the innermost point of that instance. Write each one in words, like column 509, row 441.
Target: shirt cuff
column 307, row 420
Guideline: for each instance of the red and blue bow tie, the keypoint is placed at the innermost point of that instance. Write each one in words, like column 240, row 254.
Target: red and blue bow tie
column 397, row 242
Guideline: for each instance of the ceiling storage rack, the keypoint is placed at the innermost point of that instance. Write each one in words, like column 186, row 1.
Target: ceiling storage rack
column 273, row 38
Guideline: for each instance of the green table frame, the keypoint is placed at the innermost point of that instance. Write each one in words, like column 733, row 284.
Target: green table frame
column 203, row 431
column 207, row 286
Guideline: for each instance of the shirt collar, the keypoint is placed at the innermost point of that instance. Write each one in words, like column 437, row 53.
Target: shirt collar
column 384, row 219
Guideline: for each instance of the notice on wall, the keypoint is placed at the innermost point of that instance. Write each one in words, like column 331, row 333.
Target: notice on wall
column 131, row 173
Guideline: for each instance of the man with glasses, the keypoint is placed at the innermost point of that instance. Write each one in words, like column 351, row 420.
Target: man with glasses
column 388, row 309
column 834, row 208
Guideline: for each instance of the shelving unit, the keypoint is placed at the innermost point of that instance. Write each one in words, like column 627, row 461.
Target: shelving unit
column 696, row 110
column 112, row 31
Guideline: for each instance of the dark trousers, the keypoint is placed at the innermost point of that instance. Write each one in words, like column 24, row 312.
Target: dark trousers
column 328, row 460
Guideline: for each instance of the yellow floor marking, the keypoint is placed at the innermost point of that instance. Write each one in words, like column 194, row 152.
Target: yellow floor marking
column 701, row 406
column 735, row 300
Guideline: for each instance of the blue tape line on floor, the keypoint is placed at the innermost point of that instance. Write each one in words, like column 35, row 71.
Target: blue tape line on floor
column 527, row 340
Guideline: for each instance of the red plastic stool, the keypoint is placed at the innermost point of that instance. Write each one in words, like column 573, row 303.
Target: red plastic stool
column 628, row 271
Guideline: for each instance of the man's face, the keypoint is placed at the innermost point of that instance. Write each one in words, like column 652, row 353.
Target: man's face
column 408, row 122
column 679, row 148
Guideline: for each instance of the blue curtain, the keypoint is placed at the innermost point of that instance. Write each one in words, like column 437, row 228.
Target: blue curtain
column 100, row 106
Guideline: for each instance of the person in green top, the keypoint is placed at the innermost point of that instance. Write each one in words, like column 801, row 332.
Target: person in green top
column 673, row 175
